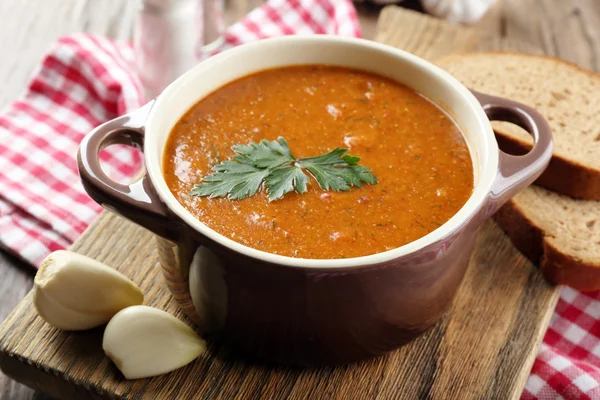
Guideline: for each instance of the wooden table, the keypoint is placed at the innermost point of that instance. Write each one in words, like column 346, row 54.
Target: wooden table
column 568, row 29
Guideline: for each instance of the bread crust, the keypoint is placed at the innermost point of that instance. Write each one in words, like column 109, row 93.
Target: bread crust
column 591, row 74
column 556, row 266
column 560, row 268
column 562, row 175
column 523, row 233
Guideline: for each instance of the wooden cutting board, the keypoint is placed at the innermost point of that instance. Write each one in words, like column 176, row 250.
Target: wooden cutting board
column 483, row 348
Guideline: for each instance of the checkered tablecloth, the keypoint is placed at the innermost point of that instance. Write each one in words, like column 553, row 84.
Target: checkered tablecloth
column 85, row 80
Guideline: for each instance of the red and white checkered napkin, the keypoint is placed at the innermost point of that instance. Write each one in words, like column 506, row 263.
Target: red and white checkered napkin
column 86, row 80
column 568, row 362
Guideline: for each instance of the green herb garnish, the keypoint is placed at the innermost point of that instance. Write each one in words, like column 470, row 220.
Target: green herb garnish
column 272, row 164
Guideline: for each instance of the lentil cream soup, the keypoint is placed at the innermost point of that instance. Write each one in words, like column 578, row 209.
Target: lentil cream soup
column 419, row 156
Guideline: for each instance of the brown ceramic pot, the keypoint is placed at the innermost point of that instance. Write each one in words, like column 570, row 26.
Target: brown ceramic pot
column 303, row 311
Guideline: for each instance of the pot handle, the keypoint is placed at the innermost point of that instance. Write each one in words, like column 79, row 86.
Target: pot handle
column 517, row 172
column 137, row 201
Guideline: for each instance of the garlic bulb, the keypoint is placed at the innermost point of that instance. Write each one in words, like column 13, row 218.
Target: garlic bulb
column 462, row 11
column 385, row 2
column 74, row 292
column 143, row 341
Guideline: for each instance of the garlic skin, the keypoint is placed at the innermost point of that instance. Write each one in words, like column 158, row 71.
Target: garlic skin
column 73, row 292
column 385, row 2
column 143, row 341
column 461, row 11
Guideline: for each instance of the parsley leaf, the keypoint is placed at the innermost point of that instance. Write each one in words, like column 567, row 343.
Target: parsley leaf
column 272, row 164
column 338, row 171
column 284, row 180
column 264, row 154
column 232, row 179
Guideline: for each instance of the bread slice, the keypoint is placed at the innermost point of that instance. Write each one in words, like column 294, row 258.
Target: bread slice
column 560, row 234
column 567, row 95
column 557, row 232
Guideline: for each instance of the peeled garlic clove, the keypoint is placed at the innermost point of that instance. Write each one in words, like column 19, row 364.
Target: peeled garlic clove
column 143, row 341
column 74, row 292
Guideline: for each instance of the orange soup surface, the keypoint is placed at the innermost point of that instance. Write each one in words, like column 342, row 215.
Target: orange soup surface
column 420, row 158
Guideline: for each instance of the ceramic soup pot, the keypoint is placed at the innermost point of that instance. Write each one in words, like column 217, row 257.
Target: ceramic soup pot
column 310, row 311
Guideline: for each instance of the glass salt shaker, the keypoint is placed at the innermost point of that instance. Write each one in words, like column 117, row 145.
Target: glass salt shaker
column 171, row 36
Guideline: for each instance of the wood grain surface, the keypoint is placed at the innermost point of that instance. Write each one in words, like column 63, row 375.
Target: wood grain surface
column 483, row 348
